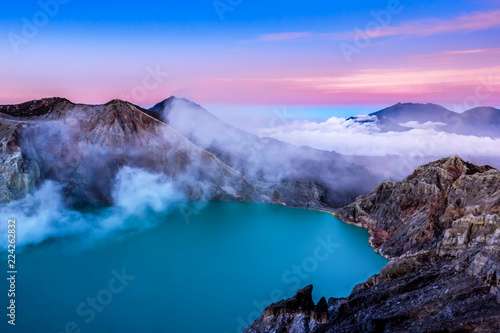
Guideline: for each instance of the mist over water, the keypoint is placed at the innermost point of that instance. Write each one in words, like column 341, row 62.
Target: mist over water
column 43, row 214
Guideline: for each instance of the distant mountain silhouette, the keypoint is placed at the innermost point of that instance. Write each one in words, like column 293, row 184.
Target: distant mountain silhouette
column 481, row 121
column 403, row 113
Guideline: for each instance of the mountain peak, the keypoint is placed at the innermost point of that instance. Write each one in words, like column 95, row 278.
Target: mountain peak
column 415, row 105
column 454, row 165
column 405, row 112
column 483, row 111
column 117, row 101
column 162, row 109
column 172, row 99
column 33, row 108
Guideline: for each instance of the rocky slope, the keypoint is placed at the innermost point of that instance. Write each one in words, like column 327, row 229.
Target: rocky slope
column 441, row 229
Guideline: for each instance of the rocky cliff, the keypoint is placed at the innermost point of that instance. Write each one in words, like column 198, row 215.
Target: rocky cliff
column 441, row 229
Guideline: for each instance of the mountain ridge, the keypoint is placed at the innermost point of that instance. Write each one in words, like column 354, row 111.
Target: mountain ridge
column 83, row 146
column 480, row 121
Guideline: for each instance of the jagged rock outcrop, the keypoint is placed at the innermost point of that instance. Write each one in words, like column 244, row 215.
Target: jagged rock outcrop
column 297, row 314
column 441, row 229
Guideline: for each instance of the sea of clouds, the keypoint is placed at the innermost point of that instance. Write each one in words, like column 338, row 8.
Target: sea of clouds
column 351, row 137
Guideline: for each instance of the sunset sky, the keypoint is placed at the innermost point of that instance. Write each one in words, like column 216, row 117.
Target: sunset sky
column 253, row 52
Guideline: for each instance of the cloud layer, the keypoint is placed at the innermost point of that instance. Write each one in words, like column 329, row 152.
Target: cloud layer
column 355, row 138
column 475, row 21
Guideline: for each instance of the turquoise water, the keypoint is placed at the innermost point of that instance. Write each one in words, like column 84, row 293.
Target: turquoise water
column 213, row 271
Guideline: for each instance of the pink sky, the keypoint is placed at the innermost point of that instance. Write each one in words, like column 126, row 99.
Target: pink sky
column 451, row 61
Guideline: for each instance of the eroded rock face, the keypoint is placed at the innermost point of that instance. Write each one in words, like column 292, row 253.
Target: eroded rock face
column 441, row 229
column 297, row 314
column 412, row 215
column 19, row 175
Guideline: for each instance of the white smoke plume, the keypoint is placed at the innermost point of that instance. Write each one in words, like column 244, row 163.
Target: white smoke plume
column 137, row 194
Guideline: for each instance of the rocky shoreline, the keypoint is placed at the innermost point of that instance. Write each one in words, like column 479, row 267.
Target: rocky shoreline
column 441, row 229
